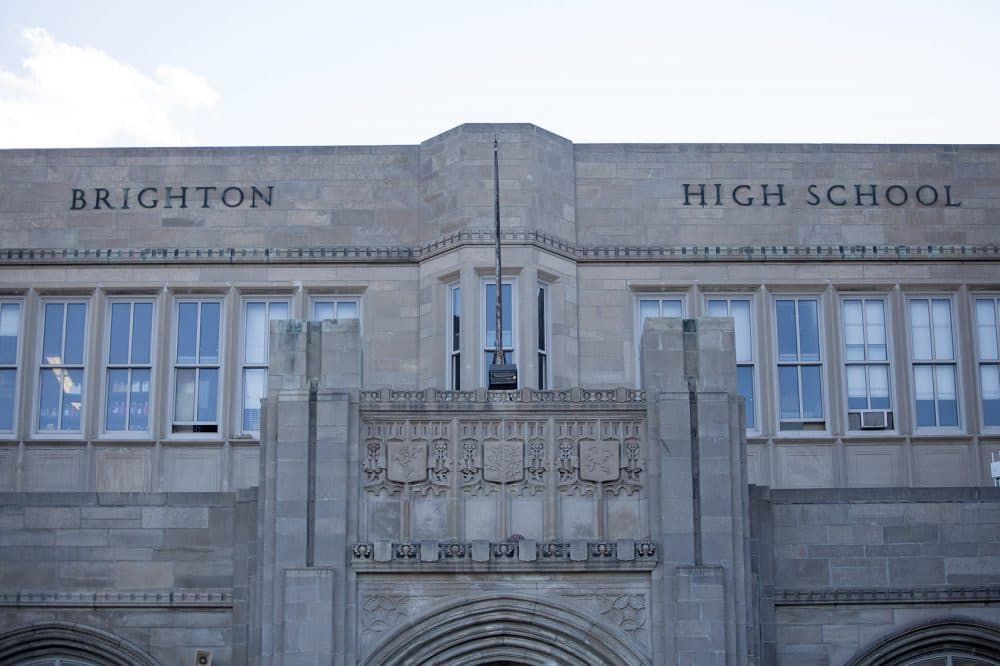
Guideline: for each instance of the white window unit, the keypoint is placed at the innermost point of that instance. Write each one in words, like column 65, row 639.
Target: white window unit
column 740, row 308
column 988, row 357
column 544, row 337
column 489, row 324
column 61, row 366
column 454, row 338
column 329, row 307
column 10, row 337
column 799, row 364
column 129, row 369
column 867, row 368
column 257, row 314
column 932, row 355
column 646, row 307
column 197, row 366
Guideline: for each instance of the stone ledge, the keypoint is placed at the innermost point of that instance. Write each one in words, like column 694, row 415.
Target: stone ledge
column 165, row 599
column 929, row 595
column 431, row 398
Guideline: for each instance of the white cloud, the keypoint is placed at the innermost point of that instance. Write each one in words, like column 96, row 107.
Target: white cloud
column 71, row 96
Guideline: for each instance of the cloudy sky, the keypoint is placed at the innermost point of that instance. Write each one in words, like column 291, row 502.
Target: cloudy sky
column 198, row 72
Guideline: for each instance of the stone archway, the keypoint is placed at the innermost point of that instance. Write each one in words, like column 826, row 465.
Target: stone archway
column 948, row 637
column 504, row 629
column 72, row 643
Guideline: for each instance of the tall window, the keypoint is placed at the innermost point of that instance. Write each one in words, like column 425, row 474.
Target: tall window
column 60, row 385
column 988, row 329
column 334, row 308
column 866, row 364
column 543, row 337
column 129, row 366
column 257, row 315
column 455, row 338
column 739, row 309
column 490, row 324
column 10, row 328
column 935, row 384
column 800, row 364
column 197, row 367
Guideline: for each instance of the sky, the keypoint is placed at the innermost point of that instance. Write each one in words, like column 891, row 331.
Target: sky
column 77, row 73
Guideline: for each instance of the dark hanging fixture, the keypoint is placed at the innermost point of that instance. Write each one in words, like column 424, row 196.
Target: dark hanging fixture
column 503, row 376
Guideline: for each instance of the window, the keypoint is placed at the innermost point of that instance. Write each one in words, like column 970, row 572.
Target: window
column 196, row 367
column 652, row 306
column 257, row 315
column 935, row 384
column 987, row 327
column 866, row 364
column 543, row 337
column 10, row 328
column 800, row 365
column 334, row 308
column 129, row 366
column 739, row 309
column 490, row 324
column 60, row 382
column 455, row 338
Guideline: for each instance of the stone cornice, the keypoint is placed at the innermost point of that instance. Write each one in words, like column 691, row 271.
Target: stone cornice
column 477, row 237
column 161, row 599
column 905, row 595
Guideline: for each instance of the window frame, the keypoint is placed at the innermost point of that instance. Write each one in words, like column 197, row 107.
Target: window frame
column 954, row 362
column 170, row 422
column 980, row 361
column 754, row 363
column 106, row 365
column 845, row 362
column 336, row 299
column 243, row 365
column 80, row 433
column 824, row 402
column 514, row 343
column 16, row 367
column 637, row 320
column 543, row 355
column 453, row 338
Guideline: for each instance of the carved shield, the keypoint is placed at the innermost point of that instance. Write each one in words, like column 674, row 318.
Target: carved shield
column 599, row 461
column 503, row 462
column 407, row 461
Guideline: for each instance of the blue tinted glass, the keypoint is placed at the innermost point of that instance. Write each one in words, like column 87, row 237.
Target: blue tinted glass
column 187, row 332
column 76, row 324
column 138, row 410
column 788, row 388
column 10, row 325
column 142, row 330
column 856, row 402
column 121, row 313
column 254, row 386
column 991, row 412
column 7, row 378
column 925, row 413
column 744, row 381
column 880, row 402
column 52, row 337
column 808, row 331
column 208, row 384
column 787, row 350
column 208, row 346
column 508, row 316
column 116, row 409
column 812, row 392
column 48, row 399
column 72, row 399
column 948, row 412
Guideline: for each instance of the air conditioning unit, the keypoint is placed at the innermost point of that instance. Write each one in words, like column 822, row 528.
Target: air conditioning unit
column 874, row 419
column 203, row 658
column 995, row 468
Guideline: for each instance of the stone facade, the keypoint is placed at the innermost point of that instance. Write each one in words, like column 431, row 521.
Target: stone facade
column 242, row 404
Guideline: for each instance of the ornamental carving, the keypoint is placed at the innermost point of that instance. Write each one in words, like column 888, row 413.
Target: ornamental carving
column 382, row 611
column 407, row 462
column 403, row 453
column 599, row 460
column 626, row 611
column 503, row 462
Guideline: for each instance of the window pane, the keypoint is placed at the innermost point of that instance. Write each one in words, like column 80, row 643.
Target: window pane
column 8, row 377
column 920, row 324
column 121, row 316
column 491, row 319
column 787, row 335
column 788, row 387
column 744, row 383
column 541, row 319
column 507, row 316
column 857, row 388
column 52, row 337
column 990, row 377
column 812, row 392
column 208, row 383
column 941, row 316
column 718, row 308
column 10, row 324
column 854, row 333
column 208, row 344
column 347, row 310
column 947, row 396
column 671, row 308
column 878, row 386
column 49, row 396
column 808, row 331
column 142, row 331
column 72, row 384
column 322, row 310
column 648, row 309
column 878, row 350
column 187, row 332
column 116, row 408
column 987, row 325
column 138, row 411
column 255, row 350
column 456, row 319
column 253, row 392
column 923, row 389
column 490, row 310
column 76, row 325
column 276, row 311
column 742, row 330
column 184, row 394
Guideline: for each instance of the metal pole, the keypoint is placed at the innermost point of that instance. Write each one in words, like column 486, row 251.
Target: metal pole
column 498, row 358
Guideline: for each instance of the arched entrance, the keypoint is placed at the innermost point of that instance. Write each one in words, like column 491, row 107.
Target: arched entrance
column 66, row 644
column 505, row 630
column 948, row 642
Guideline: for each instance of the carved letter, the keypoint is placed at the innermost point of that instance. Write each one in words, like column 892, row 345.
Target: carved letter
column 858, row 194
column 182, row 197
column 254, row 192
column 78, row 198
column 829, row 195
column 947, row 198
column 921, row 199
column 226, row 192
column 888, row 195
column 701, row 194
column 101, row 194
column 204, row 191
column 813, row 199
column 780, row 194
column 736, row 191
column 142, row 193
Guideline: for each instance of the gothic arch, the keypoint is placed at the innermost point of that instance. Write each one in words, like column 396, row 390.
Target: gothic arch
column 957, row 635
column 525, row 630
column 73, row 641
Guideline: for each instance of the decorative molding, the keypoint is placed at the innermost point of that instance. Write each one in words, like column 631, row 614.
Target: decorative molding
column 625, row 552
column 437, row 399
column 902, row 595
column 164, row 599
column 382, row 611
